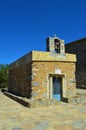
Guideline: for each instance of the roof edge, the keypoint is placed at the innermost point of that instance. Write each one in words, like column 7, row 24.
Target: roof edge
column 82, row 39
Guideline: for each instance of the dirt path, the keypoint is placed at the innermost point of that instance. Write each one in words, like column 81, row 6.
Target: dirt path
column 14, row 116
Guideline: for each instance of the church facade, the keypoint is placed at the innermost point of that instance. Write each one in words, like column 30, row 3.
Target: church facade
column 44, row 75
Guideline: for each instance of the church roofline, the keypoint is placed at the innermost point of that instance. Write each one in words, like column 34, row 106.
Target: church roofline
column 43, row 57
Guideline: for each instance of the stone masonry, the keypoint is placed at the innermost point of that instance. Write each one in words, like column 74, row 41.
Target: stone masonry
column 79, row 48
column 31, row 76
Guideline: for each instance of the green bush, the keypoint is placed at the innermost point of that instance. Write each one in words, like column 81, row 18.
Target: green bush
column 4, row 75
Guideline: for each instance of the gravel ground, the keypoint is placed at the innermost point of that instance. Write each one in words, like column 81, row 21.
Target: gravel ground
column 14, row 116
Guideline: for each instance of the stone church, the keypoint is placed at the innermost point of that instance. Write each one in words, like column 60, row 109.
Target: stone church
column 44, row 75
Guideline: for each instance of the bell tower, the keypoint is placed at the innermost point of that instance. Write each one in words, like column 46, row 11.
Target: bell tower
column 54, row 44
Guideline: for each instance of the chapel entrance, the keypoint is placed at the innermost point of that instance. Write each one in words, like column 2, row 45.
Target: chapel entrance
column 57, row 88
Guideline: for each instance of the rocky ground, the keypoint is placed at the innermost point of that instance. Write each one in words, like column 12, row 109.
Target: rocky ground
column 14, row 116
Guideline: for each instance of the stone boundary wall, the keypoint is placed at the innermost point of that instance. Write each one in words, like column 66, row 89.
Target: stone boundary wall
column 30, row 103
column 79, row 48
column 81, row 92
column 17, row 99
column 80, row 97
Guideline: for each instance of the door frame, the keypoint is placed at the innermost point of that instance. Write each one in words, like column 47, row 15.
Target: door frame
column 59, row 79
column 62, row 76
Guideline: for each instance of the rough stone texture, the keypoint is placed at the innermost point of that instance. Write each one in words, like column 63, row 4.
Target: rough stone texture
column 79, row 48
column 20, row 80
column 32, row 103
column 52, row 56
column 31, row 78
column 80, row 97
column 41, row 78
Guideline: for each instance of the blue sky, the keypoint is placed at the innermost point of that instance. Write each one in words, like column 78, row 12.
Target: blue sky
column 25, row 24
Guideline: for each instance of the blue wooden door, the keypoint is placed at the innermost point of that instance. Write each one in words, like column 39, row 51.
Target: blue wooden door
column 56, row 88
